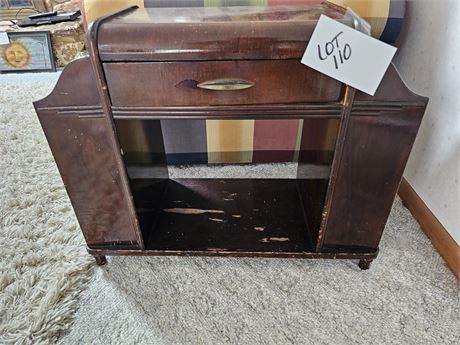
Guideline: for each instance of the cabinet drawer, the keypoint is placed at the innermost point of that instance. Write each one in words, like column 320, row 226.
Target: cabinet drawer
column 180, row 83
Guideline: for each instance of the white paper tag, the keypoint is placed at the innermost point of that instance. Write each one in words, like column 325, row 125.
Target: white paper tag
column 348, row 55
column 4, row 38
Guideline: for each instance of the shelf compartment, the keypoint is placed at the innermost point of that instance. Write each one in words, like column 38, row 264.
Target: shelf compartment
column 223, row 215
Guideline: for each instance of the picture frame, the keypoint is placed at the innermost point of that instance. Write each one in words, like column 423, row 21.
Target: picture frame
column 28, row 51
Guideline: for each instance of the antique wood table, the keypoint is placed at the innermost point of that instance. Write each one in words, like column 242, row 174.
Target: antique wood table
column 225, row 63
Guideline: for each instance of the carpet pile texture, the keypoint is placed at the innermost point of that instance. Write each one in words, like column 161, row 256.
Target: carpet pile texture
column 43, row 262
column 50, row 291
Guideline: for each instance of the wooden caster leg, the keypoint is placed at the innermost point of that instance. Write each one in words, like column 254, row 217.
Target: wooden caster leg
column 365, row 264
column 100, row 259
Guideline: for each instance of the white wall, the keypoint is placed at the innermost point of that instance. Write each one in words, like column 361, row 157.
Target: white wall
column 429, row 61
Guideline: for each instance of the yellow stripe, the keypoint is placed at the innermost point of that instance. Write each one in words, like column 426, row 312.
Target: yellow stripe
column 97, row 8
column 230, row 141
column 376, row 12
column 133, row 138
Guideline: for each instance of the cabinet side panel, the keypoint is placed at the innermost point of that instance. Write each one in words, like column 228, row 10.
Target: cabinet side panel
column 76, row 87
column 83, row 154
column 375, row 154
column 79, row 137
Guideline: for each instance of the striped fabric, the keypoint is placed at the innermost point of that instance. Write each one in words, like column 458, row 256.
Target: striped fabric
column 385, row 16
column 237, row 141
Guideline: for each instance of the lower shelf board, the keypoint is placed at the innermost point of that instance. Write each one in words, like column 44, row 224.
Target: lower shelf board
column 298, row 255
column 222, row 215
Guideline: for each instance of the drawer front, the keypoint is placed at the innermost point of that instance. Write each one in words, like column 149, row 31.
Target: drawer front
column 185, row 83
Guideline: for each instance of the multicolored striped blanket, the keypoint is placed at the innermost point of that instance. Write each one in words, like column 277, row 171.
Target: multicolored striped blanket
column 239, row 141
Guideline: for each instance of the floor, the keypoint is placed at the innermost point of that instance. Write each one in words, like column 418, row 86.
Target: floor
column 408, row 296
column 43, row 262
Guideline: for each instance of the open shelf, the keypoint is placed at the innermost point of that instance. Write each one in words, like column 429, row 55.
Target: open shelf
column 233, row 211
column 239, row 215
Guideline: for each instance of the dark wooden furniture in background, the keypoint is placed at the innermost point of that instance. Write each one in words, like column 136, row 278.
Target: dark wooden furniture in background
column 147, row 65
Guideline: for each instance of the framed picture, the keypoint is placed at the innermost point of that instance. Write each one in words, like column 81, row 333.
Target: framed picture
column 27, row 52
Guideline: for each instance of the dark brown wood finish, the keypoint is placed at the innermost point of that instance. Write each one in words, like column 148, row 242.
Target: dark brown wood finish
column 376, row 148
column 353, row 149
column 263, row 111
column 241, row 33
column 279, row 81
column 100, row 259
column 375, row 153
column 111, row 135
column 262, row 215
column 348, row 99
column 73, row 121
column 241, row 254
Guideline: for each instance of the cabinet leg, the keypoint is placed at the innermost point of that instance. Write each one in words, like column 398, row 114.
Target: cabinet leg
column 100, row 259
column 365, row 264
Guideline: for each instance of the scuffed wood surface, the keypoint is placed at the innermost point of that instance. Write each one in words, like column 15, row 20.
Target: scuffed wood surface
column 190, row 211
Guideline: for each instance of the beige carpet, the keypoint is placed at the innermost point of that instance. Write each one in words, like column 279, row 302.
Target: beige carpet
column 407, row 297
column 43, row 263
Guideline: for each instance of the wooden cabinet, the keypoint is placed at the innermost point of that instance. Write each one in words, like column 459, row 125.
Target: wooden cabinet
column 227, row 64
column 180, row 83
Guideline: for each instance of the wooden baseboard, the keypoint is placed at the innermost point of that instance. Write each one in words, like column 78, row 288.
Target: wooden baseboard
column 442, row 241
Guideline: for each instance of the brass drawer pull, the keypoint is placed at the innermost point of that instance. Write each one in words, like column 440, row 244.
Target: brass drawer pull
column 226, row 84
